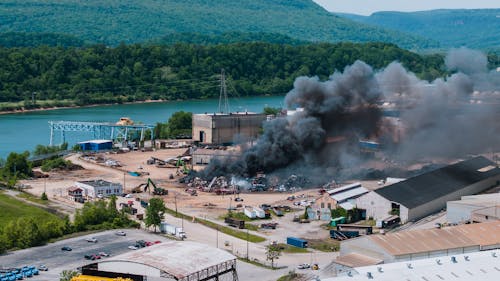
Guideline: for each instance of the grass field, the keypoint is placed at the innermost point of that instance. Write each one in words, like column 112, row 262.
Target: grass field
column 12, row 209
column 224, row 229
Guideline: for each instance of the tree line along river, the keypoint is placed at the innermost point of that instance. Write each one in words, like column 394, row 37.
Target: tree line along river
column 23, row 131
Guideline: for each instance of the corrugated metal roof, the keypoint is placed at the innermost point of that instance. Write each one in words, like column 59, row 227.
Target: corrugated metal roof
column 357, row 260
column 343, row 188
column 425, row 188
column 429, row 240
column 348, row 194
column 347, row 205
column 179, row 259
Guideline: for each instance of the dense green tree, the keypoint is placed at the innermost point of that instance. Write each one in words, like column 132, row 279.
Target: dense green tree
column 271, row 110
column 47, row 149
column 180, row 124
column 96, row 75
column 67, row 275
column 16, row 167
column 154, row 212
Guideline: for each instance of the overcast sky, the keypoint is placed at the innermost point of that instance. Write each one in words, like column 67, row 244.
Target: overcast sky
column 366, row 7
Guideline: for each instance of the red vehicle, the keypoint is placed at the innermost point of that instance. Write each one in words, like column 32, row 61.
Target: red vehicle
column 157, row 242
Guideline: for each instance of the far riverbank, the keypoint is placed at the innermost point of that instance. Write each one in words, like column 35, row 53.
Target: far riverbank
column 24, row 130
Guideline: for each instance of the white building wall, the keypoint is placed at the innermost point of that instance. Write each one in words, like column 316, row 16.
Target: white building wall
column 403, row 213
column 457, row 212
column 91, row 191
column 440, row 203
column 375, row 205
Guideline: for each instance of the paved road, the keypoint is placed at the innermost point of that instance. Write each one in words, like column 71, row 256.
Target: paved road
column 57, row 260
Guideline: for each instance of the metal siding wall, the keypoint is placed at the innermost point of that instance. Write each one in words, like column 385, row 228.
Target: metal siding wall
column 375, row 205
column 440, row 203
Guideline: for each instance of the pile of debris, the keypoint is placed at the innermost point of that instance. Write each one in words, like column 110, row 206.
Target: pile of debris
column 218, row 185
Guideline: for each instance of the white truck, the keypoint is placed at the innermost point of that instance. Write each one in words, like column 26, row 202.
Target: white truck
column 173, row 230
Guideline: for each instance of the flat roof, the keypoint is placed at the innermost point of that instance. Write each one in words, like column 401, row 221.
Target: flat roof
column 427, row 187
column 357, row 260
column 484, row 266
column 98, row 183
column 179, row 259
column 348, row 194
column 430, row 240
column 96, row 141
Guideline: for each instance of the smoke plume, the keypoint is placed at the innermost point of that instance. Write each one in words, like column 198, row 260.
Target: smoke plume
column 445, row 117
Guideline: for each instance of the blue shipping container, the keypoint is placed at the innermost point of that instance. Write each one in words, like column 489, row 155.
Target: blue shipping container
column 297, row 242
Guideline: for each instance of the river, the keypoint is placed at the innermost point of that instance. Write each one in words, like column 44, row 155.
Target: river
column 23, row 131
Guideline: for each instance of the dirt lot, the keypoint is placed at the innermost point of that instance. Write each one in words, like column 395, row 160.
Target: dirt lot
column 58, row 182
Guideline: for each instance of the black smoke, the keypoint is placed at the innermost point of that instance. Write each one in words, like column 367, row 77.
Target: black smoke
column 438, row 118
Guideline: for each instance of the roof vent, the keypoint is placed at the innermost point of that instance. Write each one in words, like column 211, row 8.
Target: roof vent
column 467, row 258
column 380, row 269
column 438, row 261
column 454, row 259
column 349, row 274
column 494, row 254
column 409, row 265
column 369, row 275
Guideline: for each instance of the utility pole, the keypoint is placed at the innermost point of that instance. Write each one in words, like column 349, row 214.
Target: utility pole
column 247, row 244
column 217, row 237
column 223, row 101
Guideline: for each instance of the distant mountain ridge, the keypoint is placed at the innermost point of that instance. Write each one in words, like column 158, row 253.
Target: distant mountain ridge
column 135, row 21
column 479, row 28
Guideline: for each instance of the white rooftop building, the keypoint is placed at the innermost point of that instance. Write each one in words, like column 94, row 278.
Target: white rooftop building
column 484, row 266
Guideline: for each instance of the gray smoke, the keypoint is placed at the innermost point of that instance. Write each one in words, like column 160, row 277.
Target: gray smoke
column 445, row 117
column 338, row 110
column 438, row 118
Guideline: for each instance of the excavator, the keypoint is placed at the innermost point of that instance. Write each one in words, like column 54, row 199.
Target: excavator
column 181, row 167
column 156, row 190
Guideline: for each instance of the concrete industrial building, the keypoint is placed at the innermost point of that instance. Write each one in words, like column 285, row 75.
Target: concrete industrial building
column 99, row 188
column 476, row 208
column 226, row 128
column 482, row 266
column 425, row 194
column 418, row 244
column 171, row 260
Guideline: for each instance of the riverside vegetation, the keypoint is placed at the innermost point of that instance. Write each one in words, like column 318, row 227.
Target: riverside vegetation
column 56, row 76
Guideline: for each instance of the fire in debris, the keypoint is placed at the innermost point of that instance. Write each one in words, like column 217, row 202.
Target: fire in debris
column 322, row 140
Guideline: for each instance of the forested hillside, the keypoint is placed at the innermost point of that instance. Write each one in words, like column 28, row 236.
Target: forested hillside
column 451, row 28
column 99, row 74
column 21, row 39
column 131, row 21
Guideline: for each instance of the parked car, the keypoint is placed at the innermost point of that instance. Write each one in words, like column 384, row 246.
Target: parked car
column 304, row 266
column 132, row 247
column 104, row 254
column 89, row 257
column 91, row 239
column 43, row 268
column 238, row 199
column 66, row 248
column 121, row 233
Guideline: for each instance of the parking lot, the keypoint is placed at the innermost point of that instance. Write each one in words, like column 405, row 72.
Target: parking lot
column 57, row 260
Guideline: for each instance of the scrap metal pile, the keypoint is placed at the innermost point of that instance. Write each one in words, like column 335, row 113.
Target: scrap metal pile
column 222, row 185
column 218, row 185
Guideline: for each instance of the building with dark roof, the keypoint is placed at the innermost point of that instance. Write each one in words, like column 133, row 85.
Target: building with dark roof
column 427, row 193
